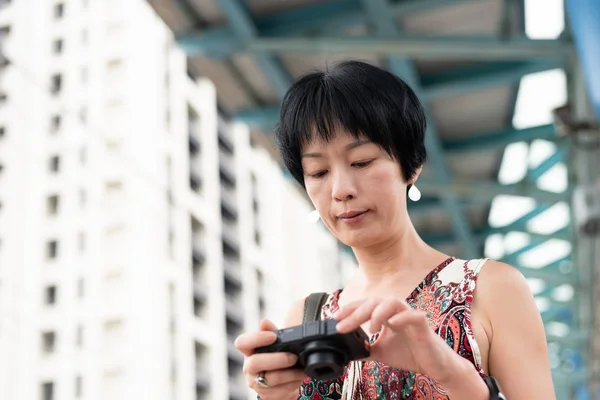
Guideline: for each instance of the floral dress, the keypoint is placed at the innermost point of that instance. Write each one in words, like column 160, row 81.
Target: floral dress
column 445, row 295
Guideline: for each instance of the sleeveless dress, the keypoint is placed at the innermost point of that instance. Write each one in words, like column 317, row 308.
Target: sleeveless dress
column 446, row 295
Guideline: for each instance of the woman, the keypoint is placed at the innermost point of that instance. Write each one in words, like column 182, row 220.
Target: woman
column 354, row 138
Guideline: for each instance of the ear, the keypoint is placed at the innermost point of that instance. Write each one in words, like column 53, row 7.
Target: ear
column 415, row 176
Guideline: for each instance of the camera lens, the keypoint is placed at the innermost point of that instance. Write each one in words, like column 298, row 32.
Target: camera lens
column 324, row 365
column 323, row 360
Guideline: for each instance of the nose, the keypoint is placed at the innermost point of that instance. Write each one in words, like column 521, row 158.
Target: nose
column 343, row 186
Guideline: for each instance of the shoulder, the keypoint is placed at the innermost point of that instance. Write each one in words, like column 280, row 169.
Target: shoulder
column 503, row 292
column 497, row 279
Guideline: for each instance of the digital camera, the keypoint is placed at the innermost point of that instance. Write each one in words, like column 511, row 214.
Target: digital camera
column 322, row 351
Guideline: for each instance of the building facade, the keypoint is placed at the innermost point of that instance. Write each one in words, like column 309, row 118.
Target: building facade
column 140, row 232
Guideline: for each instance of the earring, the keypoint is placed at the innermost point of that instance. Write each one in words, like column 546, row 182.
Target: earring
column 413, row 193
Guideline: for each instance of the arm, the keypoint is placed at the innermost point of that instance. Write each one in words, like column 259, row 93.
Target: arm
column 518, row 357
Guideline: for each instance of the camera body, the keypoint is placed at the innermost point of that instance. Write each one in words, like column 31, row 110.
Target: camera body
column 322, row 351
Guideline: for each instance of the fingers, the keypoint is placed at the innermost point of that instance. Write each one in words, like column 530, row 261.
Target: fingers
column 346, row 310
column 384, row 311
column 246, row 343
column 411, row 318
column 284, row 377
column 266, row 325
column 377, row 311
column 359, row 315
column 268, row 362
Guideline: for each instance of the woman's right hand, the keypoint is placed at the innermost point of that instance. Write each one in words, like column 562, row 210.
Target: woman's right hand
column 283, row 381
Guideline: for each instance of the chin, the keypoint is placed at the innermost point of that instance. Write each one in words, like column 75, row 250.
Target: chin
column 357, row 240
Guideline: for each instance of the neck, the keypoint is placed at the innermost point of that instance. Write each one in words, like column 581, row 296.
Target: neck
column 403, row 253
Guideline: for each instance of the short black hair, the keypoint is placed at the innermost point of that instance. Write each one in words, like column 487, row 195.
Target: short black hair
column 360, row 98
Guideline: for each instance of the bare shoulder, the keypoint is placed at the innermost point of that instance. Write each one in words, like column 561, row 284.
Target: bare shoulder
column 496, row 277
column 503, row 291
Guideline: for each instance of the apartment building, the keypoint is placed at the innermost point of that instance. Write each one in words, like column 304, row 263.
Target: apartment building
column 140, row 232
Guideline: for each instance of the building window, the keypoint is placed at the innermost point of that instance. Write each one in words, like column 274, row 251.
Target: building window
column 79, row 337
column 56, row 83
column 82, row 197
column 1, row 169
column 80, row 288
column 83, row 115
column 81, row 241
column 57, row 46
column 47, row 391
column 3, row 98
column 52, row 203
column 78, row 386
column 82, row 155
column 52, row 249
column 50, row 295
column 59, row 10
column 48, row 342
column 55, row 123
column 2, row 131
column 54, row 164
column 84, row 75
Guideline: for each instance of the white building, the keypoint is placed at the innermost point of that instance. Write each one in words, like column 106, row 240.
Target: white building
column 139, row 232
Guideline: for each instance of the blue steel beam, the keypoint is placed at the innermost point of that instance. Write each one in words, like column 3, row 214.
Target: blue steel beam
column 423, row 47
column 546, row 165
column 500, row 138
column 584, row 16
column 266, row 117
column 445, row 238
column 379, row 15
column 458, row 81
column 242, row 24
column 323, row 18
column 484, row 190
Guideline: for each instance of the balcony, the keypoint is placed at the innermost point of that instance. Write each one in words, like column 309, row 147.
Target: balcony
column 230, row 232
column 227, row 164
column 225, row 140
column 194, row 145
column 232, row 273
column 200, row 291
column 202, row 379
column 234, row 354
column 229, row 198
column 234, row 311
column 198, row 253
column 195, row 182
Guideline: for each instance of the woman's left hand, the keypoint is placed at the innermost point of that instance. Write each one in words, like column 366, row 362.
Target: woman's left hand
column 405, row 341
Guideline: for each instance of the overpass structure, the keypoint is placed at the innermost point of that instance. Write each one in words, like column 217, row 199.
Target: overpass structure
column 473, row 63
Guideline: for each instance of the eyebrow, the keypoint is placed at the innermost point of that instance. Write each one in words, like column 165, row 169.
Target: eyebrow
column 348, row 147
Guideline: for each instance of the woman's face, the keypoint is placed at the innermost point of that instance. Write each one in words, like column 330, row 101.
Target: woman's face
column 357, row 188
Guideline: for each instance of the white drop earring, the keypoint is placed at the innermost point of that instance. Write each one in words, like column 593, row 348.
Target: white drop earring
column 414, row 193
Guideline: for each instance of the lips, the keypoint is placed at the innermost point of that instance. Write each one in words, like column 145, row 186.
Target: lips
column 351, row 214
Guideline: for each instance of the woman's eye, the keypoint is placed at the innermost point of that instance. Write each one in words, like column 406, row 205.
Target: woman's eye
column 362, row 164
column 318, row 174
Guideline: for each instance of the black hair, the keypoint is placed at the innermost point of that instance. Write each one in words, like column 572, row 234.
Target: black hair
column 360, row 98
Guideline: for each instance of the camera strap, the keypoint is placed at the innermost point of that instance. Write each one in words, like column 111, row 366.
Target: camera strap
column 313, row 305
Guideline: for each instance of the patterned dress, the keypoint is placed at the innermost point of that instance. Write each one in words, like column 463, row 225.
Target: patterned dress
column 446, row 295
